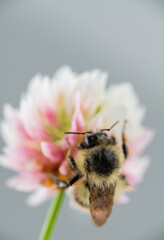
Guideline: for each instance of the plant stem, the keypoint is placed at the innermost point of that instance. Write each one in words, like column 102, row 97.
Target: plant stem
column 51, row 219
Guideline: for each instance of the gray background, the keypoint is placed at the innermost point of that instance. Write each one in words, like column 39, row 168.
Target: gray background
column 123, row 37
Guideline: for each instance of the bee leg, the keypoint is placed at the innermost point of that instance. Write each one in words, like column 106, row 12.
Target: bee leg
column 124, row 145
column 64, row 185
column 72, row 163
column 71, row 159
column 76, row 178
column 74, row 167
column 60, row 184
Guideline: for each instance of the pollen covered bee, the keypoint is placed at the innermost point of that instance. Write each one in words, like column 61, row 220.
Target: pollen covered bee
column 97, row 167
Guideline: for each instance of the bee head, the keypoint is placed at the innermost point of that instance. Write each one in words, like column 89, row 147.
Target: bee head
column 92, row 140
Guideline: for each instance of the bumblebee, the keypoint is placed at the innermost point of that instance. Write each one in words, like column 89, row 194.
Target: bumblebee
column 97, row 181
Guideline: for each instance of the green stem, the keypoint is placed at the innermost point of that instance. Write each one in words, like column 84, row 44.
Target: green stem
column 52, row 216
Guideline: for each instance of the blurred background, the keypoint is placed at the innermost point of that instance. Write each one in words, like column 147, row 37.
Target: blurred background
column 124, row 38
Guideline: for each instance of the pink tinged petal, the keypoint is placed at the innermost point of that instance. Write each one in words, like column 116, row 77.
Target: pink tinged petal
column 123, row 199
column 27, row 181
column 49, row 115
column 63, row 168
column 16, row 164
column 64, row 143
column 46, row 103
column 27, row 152
column 7, row 163
column 36, row 130
column 32, row 121
column 134, row 169
column 41, row 195
column 71, row 139
column 137, row 146
column 12, row 129
column 52, row 152
column 77, row 124
column 18, row 158
column 78, row 118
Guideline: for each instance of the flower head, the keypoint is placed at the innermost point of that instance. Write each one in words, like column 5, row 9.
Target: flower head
column 36, row 146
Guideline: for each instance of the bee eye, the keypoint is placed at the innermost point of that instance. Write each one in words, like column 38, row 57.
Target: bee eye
column 91, row 140
column 106, row 136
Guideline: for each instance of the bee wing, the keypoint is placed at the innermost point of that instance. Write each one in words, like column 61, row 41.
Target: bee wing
column 101, row 203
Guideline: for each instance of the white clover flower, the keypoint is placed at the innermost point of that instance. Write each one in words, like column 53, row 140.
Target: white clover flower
column 36, row 146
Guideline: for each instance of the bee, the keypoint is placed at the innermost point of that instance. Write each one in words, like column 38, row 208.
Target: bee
column 97, row 181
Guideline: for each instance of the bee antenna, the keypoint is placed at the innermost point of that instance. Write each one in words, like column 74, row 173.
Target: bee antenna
column 110, row 127
column 77, row 132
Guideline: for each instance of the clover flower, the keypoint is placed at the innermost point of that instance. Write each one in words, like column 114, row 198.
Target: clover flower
column 36, row 147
